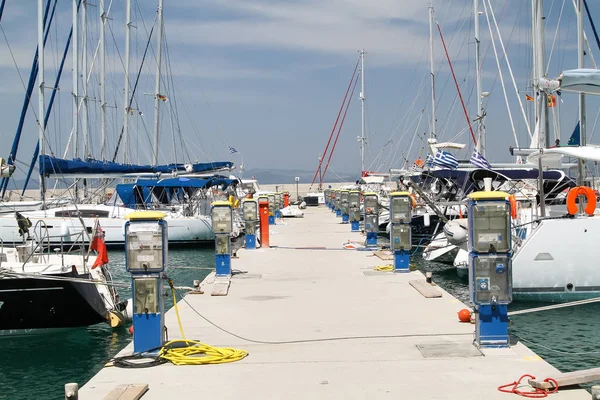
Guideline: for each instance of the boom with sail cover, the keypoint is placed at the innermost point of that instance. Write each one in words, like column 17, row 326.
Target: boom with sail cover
column 52, row 166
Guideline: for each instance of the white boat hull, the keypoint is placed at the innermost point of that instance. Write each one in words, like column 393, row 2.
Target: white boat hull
column 558, row 261
column 181, row 230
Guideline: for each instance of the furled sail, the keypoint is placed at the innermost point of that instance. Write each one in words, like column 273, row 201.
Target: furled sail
column 51, row 166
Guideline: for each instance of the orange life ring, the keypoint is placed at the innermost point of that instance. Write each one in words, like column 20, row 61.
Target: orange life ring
column 576, row 192
column 513, row 206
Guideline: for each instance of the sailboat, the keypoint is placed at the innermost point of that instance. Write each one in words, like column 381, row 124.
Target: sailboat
column 63, row 223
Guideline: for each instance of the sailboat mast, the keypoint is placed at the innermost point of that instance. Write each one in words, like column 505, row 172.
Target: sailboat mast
column 363, row 139
column 157, row 91
column 102, row 80
column 432, row 71
column 540, row 73
column 480, row 113
column 75, row 51
column 126, row 92
column 84, row 67
column 582, row 106
column 41, row 103
column 541, row 116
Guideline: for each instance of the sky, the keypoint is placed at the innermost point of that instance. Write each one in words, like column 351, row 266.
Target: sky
column 268, row 77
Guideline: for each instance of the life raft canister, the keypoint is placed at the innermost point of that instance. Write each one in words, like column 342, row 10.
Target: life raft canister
column 576, row 192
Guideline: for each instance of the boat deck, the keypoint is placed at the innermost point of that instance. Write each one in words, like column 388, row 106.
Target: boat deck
column 379, row 337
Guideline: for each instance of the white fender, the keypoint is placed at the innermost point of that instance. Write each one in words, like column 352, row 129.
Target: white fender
column 64, row 230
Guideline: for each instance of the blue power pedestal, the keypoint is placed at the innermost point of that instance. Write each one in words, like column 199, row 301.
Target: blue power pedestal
column 400, row 230
column 222, row 224
column 490, row 266
column 371, row 218
column 146, row 256
column 250, row 212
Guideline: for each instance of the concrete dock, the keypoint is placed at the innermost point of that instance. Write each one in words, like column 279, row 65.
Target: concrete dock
column 381, row 337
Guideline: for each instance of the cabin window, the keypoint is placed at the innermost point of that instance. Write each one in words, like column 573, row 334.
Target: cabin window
column 81, row 213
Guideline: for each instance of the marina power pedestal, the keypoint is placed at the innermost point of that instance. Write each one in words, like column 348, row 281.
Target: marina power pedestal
column 332, row 200
column 326, row 197
column 371, row 217
column 271, row 197
column 354, row 210
column 278, row 204
column 400, row 230
column 338, row 203
column 286, row 199
column 222, row 224
column 263, row 218
column 250, row 211
column 146, row 256
column 490, row 266
column 344, row 205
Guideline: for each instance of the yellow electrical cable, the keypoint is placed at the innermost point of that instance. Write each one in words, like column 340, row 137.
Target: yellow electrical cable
column 195, row 352
column 177, row 311
column 198, row 353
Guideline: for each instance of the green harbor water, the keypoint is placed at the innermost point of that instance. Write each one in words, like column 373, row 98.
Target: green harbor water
column 37, row 367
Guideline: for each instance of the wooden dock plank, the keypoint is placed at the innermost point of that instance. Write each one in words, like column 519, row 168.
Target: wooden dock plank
column 132, row 391
column 221, row 286
column 384, row 255
column 568, row 379
column 426, row 289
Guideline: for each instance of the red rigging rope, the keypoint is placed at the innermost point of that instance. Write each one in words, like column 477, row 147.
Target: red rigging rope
column 340, row 128
column 456, row 83
column 335, row 125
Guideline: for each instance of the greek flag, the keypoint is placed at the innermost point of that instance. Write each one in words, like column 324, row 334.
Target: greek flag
column 479, row 161
column 232, row 150
column 445, row 160
column 429, row 161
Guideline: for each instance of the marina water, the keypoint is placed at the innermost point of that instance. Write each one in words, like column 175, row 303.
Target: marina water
column 37, row 367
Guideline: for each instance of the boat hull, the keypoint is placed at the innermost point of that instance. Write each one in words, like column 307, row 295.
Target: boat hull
column 31, row 303
column 557, row 261
column 67, row 229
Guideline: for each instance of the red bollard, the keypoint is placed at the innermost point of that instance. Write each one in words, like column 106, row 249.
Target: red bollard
column 286, row 199
column 263, row 211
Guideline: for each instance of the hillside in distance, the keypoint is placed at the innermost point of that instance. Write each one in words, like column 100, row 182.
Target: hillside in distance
column 287, row 176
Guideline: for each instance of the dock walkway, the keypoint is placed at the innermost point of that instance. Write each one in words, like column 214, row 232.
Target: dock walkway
column 382, row 338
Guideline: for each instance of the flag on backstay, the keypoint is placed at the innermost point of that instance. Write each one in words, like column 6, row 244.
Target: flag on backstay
column 479, row 160
column 232, row 150
column 100, row 247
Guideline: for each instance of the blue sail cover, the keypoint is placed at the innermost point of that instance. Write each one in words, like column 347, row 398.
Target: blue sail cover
column 166, row 191
column 52, row 166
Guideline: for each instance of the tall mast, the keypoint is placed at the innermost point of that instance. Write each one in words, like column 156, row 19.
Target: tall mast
column 432, row 71
column 540, row 73
column 102, row 81
column 480, row 112
column 41, row 105
column 84, row 67
column 541, row 100
column 582, row 107
column 126, row 95
column 75, row 49
column 157, row 91
column 363, row 139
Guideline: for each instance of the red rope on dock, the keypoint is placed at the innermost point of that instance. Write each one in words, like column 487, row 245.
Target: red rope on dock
column 536, row 394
